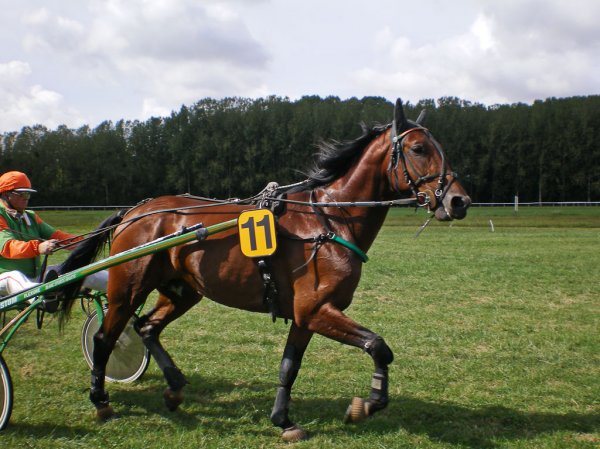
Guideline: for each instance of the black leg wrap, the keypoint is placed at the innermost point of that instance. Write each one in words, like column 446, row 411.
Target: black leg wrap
column 379, row 390
column 380, row 352
column 175, row 378
column 290, row 365
column 162, row 357
column 98, row 377
column 101, row 352
column 279, row 415
column 98, row 396
column 382, row 356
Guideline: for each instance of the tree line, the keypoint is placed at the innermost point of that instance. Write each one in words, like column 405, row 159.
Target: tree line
column 545, row 151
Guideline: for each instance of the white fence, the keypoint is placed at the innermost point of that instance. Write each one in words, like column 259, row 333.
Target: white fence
column 538, row 203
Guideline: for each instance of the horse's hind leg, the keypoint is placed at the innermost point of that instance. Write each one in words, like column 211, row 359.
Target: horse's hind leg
column 104, row 341
column 149, row 328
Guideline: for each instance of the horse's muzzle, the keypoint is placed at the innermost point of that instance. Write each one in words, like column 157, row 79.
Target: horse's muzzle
column 454, row 207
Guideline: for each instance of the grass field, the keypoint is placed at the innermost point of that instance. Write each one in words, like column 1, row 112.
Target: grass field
column 495, row 335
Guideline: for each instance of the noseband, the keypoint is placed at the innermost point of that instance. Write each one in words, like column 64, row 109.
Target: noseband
column 424, row 197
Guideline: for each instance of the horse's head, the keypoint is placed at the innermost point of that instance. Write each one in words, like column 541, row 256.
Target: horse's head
column 418, row 164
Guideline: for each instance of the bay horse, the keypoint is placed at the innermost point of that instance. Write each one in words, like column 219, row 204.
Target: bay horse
column 315, row 277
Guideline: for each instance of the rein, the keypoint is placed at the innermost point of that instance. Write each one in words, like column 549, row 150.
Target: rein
column 267, row 195
column 249, row 201
column 390, row 203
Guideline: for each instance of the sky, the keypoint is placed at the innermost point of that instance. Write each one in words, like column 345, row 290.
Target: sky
column 75, row 63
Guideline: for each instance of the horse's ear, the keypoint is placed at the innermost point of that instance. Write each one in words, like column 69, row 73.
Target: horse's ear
column 421, row 117
column 399, row 118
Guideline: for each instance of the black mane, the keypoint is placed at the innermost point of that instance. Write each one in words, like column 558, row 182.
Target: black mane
column 335, row 158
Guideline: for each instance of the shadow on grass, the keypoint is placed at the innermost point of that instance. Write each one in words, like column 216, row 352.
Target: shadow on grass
column 478, row 426
column 222, row 407
column 219, row 407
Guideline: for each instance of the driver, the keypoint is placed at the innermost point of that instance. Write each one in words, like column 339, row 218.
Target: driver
column 24, row 237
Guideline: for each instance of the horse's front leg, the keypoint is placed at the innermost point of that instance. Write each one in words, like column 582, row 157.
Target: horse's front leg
column 331, row 322
column 296, row 344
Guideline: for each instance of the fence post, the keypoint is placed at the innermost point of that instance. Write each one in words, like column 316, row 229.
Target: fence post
column 516, row 203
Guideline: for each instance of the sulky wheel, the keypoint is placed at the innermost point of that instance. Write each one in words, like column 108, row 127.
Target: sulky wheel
column 6, row 394
column 129, row 359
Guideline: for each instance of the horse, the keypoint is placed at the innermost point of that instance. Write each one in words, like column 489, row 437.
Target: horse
column 313, row 275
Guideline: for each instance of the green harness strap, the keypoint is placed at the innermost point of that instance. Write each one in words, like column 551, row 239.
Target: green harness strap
column 351, row 246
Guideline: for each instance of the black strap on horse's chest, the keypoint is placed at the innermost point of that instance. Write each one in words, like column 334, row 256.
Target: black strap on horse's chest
column 268, row 200
column 270, row 292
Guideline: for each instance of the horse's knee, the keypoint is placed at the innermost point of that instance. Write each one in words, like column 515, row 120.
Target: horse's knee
column 150, row 337
column 139, row 324
column 379, row 351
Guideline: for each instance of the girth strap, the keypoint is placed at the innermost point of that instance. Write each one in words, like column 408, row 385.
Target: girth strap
column 270, row 293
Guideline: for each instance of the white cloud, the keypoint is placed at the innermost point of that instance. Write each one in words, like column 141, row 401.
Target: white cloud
column 151, row 107
column 507, row 55
column 31, row 104
column 112, row 59
column 483, row 33
column 163, row 53
column 12, row 72
column 49, row 31
column 178, row 41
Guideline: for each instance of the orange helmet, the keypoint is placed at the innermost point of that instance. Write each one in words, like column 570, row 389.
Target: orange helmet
column 15, row 180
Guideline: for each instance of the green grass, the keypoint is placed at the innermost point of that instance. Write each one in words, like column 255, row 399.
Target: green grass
column 495, row 335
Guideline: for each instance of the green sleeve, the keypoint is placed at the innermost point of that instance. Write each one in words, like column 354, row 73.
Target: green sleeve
column 5, row 236
column 44, row 229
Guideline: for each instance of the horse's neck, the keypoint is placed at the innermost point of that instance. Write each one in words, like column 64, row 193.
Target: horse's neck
column 357, row 224
column 365, row 181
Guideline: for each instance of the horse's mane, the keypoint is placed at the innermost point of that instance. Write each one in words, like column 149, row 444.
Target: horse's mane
column 335, row 158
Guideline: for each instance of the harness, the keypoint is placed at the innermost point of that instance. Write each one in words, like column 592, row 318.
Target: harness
column 423, row 197
column 274, row 198
column 270, row 200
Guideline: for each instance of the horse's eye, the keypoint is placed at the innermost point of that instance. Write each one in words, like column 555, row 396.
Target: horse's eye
column 418, row 149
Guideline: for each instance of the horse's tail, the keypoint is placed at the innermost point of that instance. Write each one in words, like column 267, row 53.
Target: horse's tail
column 83, row 255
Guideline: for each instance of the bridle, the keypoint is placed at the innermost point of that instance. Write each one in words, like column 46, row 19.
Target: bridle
column 424, row 197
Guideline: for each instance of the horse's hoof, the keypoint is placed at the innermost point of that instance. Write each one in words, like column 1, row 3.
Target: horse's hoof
column 173, row 399
column 357, row 411
column 293, row 434
column 104, row 413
